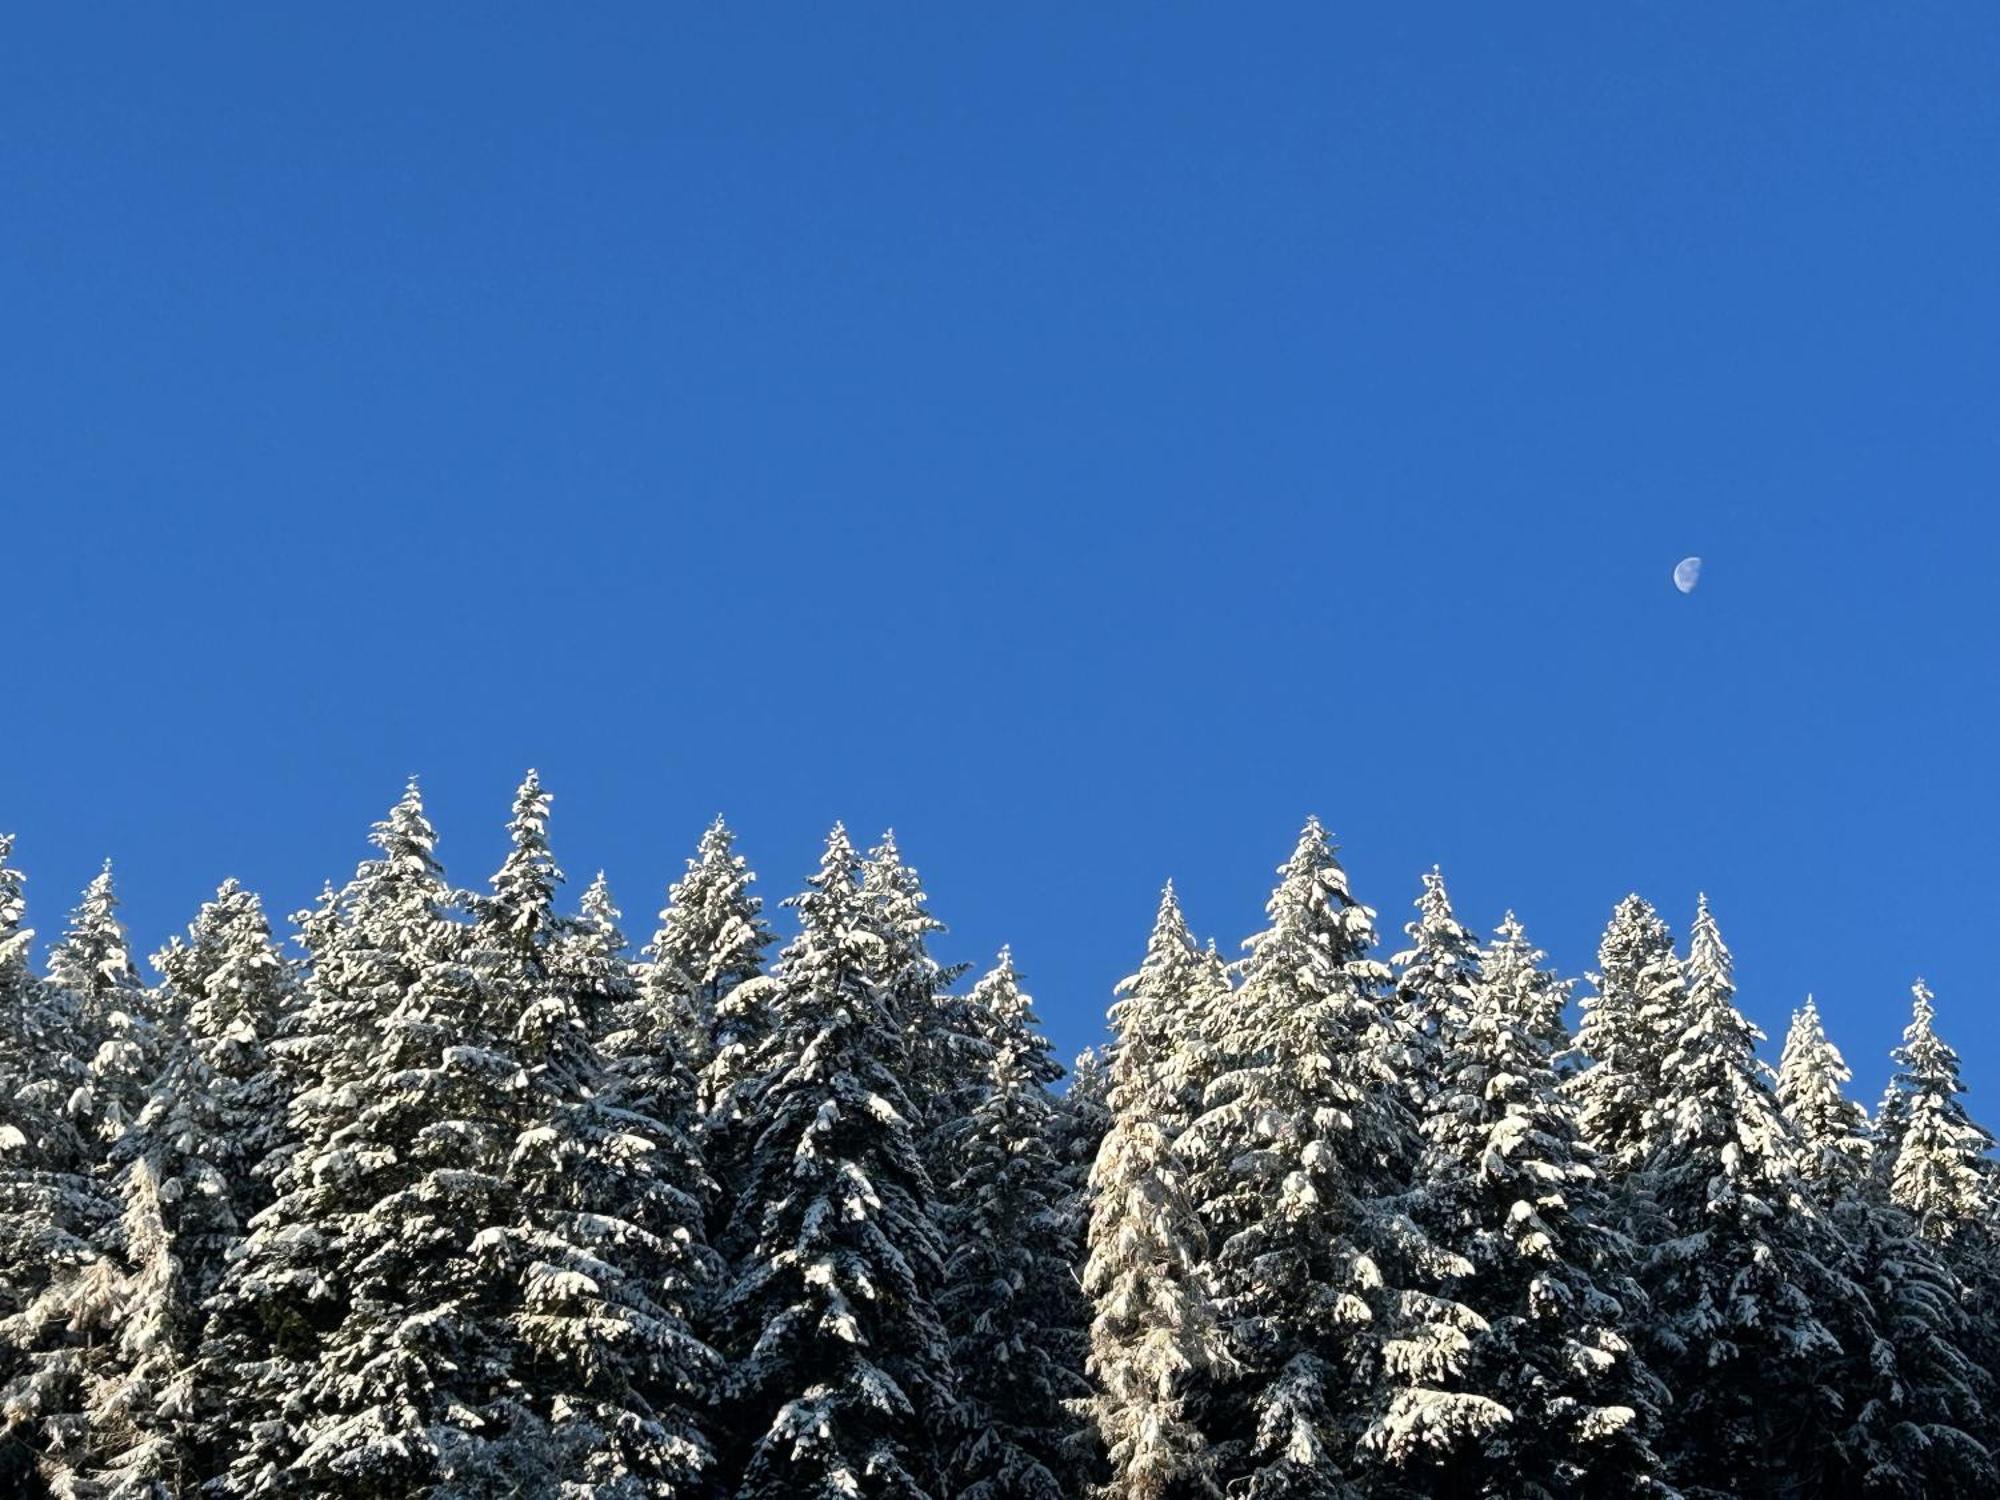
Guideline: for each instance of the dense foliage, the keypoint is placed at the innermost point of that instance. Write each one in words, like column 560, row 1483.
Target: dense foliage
column 464, row 1199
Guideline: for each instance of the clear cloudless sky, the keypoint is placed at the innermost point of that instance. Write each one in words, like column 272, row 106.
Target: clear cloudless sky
column 1087, row 438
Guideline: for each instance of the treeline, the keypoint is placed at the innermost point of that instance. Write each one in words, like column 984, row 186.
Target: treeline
column 466, row 1200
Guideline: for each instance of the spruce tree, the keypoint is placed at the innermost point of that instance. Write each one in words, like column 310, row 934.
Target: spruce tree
column 1739, row 1274
column 600, row 1247
column 1155, row 1339
column 1009, row 1301
column 590, row 955
column 1528, row 1384
column 49, row 1207
column 1435, row 978
column 1936, row 1161
column 1083, row 1116
column 296, row 1290
column 1911, row 1398
column 52, row 1211
column 948, row 1055
column 185, row 1185
column 1513, row 967
column 93, row 966
column 1627, row 1031
column 1302, row 1133
column 1832, row 1129
column 841, row 1376
column 647, row 1052
column 214, row 1113
column 106, row 1394
column 711, row 938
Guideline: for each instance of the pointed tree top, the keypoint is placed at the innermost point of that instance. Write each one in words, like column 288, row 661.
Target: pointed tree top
column 839, row 861
column 1310, row 877
column 597, row 898
column 716, row 842
column 1433, row 904
column 1708, row 956
column 1170, row 924
column 14, row 938
column 405, row 832
column 524, row 886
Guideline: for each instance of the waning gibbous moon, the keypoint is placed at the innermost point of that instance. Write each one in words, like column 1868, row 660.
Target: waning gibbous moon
column 1687, row 573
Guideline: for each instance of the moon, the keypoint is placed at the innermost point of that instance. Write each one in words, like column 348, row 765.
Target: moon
column 1687, row 573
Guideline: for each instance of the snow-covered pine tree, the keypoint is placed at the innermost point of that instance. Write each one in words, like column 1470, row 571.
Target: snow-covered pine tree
column 1009, row 1301
column 948, row 1055
column 841, row 1375
column 107, row 1394
column 1741, row 1274
column 1082, row 1119
column 184, row 1180
column 1513, row 967
column 1155, row 1341
column 602, row 1253
column 111, row 1009
column 37, row 1065
column 1937, row 1160
column 712, row 937
column 1435, row 978
column 1832, row 1128
column 703, row 1005
column 1628, row 1028
column 1524, row 1383
column 48, row 1205
column 288, row 1294
column 1912, row 1399
column 214, row 1113
column 1303, row 1131
column 647, row 1052
column 590, row 957
column 1083, row 1116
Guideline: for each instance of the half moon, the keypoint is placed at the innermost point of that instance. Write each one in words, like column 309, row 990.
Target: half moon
column 1687, row 573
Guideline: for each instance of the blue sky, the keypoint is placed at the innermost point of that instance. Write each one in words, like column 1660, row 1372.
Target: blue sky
column 1089, row 441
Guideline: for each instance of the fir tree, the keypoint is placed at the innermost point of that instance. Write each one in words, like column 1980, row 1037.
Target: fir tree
column 108, row 1000
column 214, row 1114
column 1936, row 1160
column 48, row 1205
column 711, row 938
column 1302, row 1131
column 1628, row 1029
column 1435, row 978
column 1832, row 1129
column 1009, row 1300
column 1155, row 1340
column 841, row 1377
column 1513, row 967
column 107, row 1392
column 948, row 1056
column 603, row 1259
column 186, row 1188
column 1740, row 1276
column 1911, row 1399
column 589, row 952
column 290, row 1295
column 1528, row 1384
column 1083, row 1116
